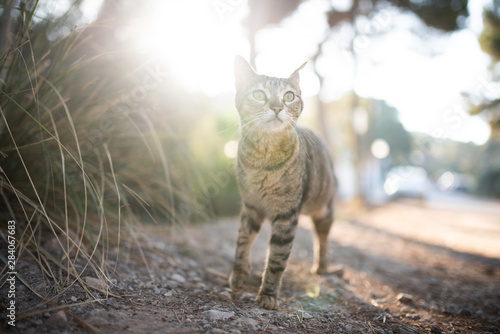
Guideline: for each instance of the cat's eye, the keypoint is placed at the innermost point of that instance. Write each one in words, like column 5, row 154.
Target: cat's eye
column 288, row 97
column 259, row 95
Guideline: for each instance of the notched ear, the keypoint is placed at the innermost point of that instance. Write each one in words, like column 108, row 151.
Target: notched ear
column 295, row 77
column 243, row 72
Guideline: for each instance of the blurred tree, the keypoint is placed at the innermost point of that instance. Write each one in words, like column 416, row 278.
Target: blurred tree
column 490, row 37
column 489, row 104
column 386, row 125
column 444, row 15
column 489, row 179
column 490, row 43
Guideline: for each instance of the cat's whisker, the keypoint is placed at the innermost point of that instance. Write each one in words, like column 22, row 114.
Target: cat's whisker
column 249, row 124
column 233, row 124
column 250, row 131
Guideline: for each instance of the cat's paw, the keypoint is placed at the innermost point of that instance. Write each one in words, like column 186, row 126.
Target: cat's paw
column 324, row 270
column 267, row 302
column 237, row 279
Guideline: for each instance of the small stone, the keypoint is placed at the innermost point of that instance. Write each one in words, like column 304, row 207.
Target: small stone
column 74, row 299
column 96, row 312
column 178, row 278
column 405, row 298
column 303, row 314
column 225, row 295
column 306, row 315
column 280, row 314
column 58, row 319
column 412, row 316
column 348, row 328
column 193, row 274
column 95, row 283
column 247, row 321
column 218, row 331
column 216, row 315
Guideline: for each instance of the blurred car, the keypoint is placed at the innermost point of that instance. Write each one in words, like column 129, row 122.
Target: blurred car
column 449, row 181
column 407, row 181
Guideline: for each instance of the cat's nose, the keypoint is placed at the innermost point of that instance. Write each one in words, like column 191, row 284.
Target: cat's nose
column 277, row 108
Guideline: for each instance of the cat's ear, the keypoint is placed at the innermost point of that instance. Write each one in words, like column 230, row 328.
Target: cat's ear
column 243, row 72
column 295, row 78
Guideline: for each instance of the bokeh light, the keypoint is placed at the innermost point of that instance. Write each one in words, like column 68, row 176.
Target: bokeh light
column 380, row 149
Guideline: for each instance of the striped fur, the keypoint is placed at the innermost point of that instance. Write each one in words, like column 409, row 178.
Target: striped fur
column 283, row 170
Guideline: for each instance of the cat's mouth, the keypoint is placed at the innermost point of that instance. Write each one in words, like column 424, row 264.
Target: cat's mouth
column 275, row 124
column 274, row 121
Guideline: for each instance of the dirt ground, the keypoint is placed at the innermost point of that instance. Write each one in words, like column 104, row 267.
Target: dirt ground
column 405, row 267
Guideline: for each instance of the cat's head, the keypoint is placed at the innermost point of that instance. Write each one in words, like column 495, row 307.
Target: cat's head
column 266, row 103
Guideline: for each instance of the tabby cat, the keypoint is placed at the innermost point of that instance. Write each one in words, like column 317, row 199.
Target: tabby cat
column 283, row 170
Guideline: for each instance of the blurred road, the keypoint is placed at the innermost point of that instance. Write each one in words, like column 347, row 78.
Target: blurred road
column 454, row 220
column 458, row 201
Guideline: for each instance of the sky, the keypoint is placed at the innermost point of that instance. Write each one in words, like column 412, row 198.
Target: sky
column 423, row 78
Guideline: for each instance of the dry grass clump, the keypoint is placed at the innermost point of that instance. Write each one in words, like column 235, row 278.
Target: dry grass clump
column 85, row 153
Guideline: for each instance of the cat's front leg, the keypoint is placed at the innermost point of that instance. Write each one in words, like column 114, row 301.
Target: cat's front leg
column 250, row 223
column 280, row 246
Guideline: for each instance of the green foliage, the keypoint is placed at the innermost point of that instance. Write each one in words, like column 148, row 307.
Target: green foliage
column 490, row 43
column 490, row 37
column 387, row 126
column 489, row 176
column 489, row 183
column 217, row 187
column 440, row 14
